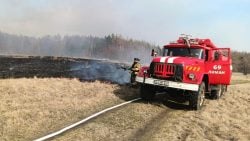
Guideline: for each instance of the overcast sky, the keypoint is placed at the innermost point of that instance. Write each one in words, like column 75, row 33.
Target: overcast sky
column 226, row 22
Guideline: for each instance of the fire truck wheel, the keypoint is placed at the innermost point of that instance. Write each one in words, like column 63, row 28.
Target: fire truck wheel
column 197, row 99
column 216, row 94
column 147, row 92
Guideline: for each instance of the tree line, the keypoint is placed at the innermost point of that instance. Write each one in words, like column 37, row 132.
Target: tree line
column 240, row 62
column 113, row 47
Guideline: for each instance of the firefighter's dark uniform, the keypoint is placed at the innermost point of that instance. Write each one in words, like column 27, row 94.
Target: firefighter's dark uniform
column 134, row 70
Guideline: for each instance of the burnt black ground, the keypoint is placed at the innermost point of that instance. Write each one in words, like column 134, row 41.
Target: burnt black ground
column 62, row 67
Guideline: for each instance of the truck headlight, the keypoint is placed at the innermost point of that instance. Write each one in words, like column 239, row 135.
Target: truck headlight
column 191, row 76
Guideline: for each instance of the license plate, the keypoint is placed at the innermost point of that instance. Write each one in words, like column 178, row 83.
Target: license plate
column 161, row 82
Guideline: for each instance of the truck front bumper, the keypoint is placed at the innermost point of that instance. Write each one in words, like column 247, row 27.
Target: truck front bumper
column 166, row 83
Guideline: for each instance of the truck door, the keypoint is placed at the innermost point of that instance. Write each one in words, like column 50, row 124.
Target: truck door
column 219, row 66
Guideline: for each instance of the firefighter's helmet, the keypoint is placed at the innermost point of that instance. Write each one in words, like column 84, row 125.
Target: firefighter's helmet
column 136, row 59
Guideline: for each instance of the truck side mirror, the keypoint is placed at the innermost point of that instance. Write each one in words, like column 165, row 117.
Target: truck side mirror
column 216, row 56
column 153, row 53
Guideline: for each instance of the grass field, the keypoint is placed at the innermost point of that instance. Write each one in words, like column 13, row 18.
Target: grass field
column 31, row 108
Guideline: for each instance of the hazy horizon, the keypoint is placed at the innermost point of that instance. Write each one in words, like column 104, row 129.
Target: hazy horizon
column 225, row 22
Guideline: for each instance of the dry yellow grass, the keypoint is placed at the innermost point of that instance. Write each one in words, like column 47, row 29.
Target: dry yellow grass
column 31, row 108
column 238, row 78
column 224, row 119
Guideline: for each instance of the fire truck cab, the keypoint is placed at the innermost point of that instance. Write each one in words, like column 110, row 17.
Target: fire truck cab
column 188, row 70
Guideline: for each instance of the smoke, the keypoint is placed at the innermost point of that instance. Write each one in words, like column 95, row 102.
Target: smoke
column 74, row 46
column 114, row 48
column 100, row 70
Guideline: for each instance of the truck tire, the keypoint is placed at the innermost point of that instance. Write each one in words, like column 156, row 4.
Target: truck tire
column 147, row 92
column 216, row 94
column 197, row 99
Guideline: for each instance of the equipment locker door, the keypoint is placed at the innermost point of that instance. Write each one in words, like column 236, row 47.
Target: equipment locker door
column 219, row 66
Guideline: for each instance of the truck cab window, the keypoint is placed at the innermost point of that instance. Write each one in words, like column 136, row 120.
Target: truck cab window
column 184, row 52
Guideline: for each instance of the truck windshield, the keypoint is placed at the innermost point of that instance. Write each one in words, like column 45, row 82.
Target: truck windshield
column 184, row 52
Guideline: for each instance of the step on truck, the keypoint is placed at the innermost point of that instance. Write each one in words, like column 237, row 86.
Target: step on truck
column 190, row 69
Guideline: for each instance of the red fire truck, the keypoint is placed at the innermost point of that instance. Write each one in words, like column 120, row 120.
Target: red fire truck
column 190, row 69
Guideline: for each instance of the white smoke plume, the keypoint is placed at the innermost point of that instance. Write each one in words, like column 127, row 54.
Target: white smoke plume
column 100, row 70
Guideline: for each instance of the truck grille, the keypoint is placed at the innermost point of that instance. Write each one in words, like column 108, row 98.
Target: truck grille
column 166, row 71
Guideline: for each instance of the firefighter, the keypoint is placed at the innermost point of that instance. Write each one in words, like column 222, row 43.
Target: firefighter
column 134, row 70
